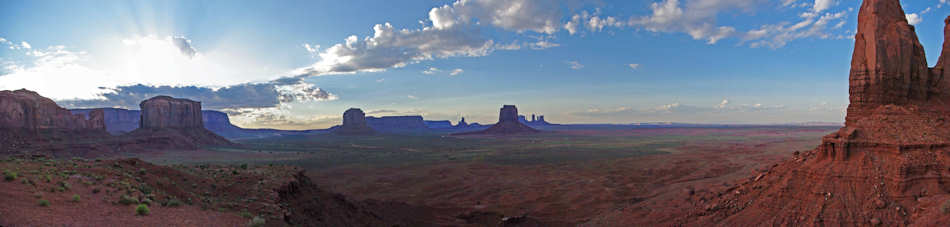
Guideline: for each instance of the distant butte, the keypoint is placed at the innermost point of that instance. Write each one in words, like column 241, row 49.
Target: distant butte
column 354, row 123
column 508, row 123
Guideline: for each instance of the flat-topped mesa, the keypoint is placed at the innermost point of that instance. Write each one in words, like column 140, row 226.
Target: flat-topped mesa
column 168, row 112
column 26, row 110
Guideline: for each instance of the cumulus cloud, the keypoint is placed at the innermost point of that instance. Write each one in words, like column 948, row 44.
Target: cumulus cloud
column 514, row 15
column 431, row 70
column 592, row 21
column 312, row 49
column 913, row 18
column 279, row 117
column 821, row 5
column 455, row 31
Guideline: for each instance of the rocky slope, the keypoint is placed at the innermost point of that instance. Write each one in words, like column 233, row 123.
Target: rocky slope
column 889, row 165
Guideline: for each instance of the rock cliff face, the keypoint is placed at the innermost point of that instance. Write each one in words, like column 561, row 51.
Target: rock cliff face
column 508, row 123
column 27, row 110
column 889, row 165
column 354, row 123
column 168, row 112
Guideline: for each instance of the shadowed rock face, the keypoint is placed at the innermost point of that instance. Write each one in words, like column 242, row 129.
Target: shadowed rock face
column 168, row 112
column 508, row 123
column 168, row 122
column 508, row 113
column 354, row 123
column 27, row 110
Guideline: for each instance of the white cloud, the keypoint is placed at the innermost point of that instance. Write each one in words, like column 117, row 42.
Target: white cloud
column 812, row 25
column 696, row 18
column 514, row 15
column 633, row 66
column 413, row 97
column 431, row 70
column 723, row 104
column 542, row 44
column 913, row 18
column 25, row 45
column 456, row 72
column 574, row 65
column 312, row 49
column 62, row 73
column 821, row 5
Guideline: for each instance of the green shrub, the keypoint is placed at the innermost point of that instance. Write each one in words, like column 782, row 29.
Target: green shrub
column 142, row 171
column 173, row 203
column 257, row 222
column 142, row 209
column 9, row 175
column 76, row 198
column 44, row 203
column 246, row 214
column 127, row 200
column 244, row 166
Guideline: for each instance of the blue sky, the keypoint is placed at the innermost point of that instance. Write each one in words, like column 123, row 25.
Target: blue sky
column 291, row 64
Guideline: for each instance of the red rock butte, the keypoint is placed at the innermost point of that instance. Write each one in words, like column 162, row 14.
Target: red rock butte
column 168, row 112
column 889, row 165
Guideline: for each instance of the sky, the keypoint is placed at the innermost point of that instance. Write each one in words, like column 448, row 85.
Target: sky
column 300, row 64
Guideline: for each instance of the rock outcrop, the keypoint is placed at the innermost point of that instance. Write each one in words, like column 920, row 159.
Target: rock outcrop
column 439, row 124
column 26, row 110
column 170, row 123
column 889, row 165
column 354, row 123
column 33, row 123
column 462, row 123
column 508, row 123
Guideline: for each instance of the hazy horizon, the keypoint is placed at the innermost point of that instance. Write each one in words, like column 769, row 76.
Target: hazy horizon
column 299, row 66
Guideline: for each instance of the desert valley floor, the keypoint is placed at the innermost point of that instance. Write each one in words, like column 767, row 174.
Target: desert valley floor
column 570, row 176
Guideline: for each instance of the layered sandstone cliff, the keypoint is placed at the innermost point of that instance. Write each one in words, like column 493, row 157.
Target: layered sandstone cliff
column 27, row 110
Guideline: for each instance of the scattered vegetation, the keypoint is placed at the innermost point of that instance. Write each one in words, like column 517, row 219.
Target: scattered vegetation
column 257, row 222
column 142, row 210
column 9, row 175
column 127, row 200
column 173, row 203
column 76, row 198
column 44, row 203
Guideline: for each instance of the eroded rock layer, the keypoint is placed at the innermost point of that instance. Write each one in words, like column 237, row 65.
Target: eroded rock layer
column 508, row 123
